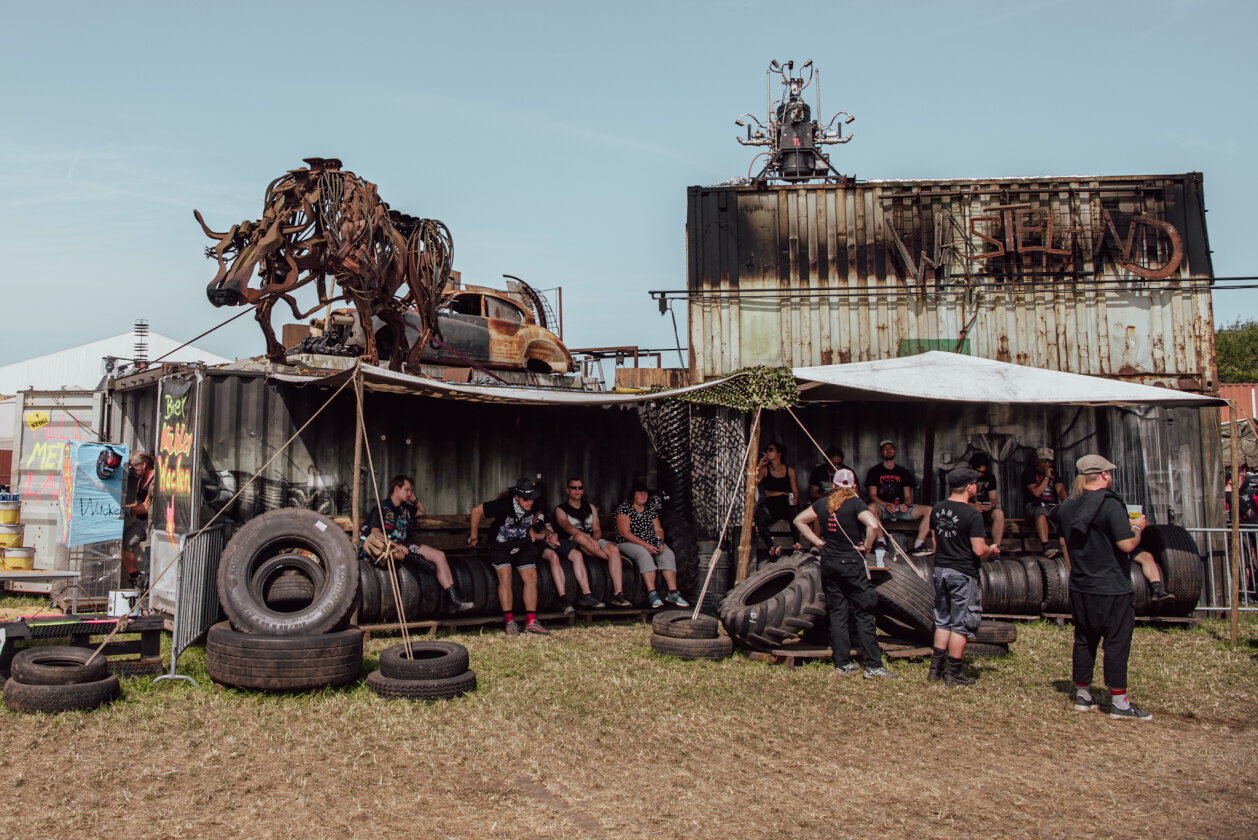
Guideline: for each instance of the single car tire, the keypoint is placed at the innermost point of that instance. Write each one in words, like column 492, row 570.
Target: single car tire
column 678, row 624
column 994, row 581
column 443, row 689
column 1142, row 596
column 368, row 593
column 290, row 533
column 1056, row 583
column 1176, row 553
column 427, row 661
column 996, row 633
column 775, row 604
column 983, row 650
column 411, row 589
column 54, row 699
column 1015, row 573
column 58, row 665
column 283, row 663
column 289, row 592
column 714, row 649
column 1034, row 585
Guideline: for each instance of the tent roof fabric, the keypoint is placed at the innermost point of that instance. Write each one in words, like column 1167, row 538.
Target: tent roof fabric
column 82, row 367
column 954, row 377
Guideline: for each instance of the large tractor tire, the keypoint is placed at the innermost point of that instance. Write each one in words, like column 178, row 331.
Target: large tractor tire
column 905, row 595
column 773, row 606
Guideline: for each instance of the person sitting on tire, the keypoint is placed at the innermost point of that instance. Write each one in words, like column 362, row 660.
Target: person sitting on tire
column 1042, row 492
column 551, row 549
column 986, row 501
column 641, row 538
column 891, row 495
column 960, row 543
column 398, row 512
column 513, row 545
column 779, row 488
column 848, row 529
column 578, row 521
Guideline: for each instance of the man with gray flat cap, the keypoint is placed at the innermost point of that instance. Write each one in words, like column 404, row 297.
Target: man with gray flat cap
column 1099, row 538
column 513, row 544
column 960, row 543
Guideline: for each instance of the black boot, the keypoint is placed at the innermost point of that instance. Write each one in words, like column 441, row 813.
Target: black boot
column 456, row 600
column 953, row 675
column 937, row 657
column 1159, row 592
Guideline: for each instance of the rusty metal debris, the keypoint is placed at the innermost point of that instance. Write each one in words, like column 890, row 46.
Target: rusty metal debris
column 325, row 222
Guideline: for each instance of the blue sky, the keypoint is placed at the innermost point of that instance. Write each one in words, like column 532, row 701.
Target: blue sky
column 557, row 139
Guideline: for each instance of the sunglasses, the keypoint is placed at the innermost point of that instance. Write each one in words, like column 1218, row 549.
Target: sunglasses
column 576, row 486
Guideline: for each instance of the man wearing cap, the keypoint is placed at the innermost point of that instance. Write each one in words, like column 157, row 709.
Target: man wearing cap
column 1099, row 534
column 1042, row 491
column 848, row 530
column 891, row 495
column 513, row 544
column 960, row 543
column 393, row 520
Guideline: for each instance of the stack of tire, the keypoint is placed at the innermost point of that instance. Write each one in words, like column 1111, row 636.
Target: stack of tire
column 288, row 583
column 775, row 605
column 675, row 633
column 423, row 671
column 423, row 600
column 906, row 603
column 58, row 678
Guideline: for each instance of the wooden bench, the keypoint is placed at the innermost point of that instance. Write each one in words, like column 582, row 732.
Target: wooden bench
column 448, row 532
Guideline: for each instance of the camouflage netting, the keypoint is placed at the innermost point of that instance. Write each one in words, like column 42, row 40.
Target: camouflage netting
column 748, row 389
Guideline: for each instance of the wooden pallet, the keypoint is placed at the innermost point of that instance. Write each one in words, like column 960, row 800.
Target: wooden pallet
column 1154, row 620
column 451, row 623
column 794, row 656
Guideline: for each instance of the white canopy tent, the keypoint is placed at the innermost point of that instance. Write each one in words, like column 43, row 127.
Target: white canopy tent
column 953, row 377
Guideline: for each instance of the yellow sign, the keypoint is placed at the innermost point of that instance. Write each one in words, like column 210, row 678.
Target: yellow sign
column 36, row 419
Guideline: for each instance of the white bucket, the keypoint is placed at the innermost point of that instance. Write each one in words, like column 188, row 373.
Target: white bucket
column 11, row 535
column 18, row 557
column 122, row 602
column 10, row 512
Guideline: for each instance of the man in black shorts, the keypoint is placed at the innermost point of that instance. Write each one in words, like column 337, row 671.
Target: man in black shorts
column 513, row 544
column 960, row 543
column 1099, row 536
column 398, row 512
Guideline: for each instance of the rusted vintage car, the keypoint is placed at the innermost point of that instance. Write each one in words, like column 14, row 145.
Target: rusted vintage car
column 489, row 327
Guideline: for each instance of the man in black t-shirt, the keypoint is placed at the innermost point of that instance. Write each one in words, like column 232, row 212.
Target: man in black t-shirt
column 891, row 495
column 513, row 544
column 1042, row 492
column 1099, row 534
column 986, row 498
column 820, row 478
column 396, row 527
column 578, row 520
column 960, row 543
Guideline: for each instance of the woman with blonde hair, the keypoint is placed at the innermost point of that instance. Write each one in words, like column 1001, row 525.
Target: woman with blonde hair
column 848, row 529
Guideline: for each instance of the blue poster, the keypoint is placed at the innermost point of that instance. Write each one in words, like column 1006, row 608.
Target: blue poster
column 91, row 500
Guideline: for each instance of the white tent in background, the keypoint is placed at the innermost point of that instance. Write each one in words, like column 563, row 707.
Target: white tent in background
column 82, row 368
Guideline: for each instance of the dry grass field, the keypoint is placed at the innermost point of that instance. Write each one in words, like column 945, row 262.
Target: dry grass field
column 588, row 734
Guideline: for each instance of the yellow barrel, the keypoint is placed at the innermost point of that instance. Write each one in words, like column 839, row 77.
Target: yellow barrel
column 9, row 512
column 11, row 535
column 19, row 557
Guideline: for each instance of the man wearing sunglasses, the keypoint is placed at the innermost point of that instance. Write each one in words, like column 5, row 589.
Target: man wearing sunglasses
column 1042, row 492
column 578, row 520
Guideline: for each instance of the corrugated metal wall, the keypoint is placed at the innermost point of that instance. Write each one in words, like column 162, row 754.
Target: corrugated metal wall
column 1088, row 275
column 459, row 453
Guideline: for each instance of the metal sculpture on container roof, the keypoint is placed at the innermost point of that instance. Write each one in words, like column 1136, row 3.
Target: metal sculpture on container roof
column 326, row 221
column 791, row 133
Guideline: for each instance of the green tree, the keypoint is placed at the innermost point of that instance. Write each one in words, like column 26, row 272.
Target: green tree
column 1236, row 349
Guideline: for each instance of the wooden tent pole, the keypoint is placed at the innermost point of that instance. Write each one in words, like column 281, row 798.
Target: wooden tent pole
column 1236, row 521
column 749, row 501
column 359, row 431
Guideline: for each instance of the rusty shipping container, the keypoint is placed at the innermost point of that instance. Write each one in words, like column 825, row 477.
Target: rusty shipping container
column 1107, row 276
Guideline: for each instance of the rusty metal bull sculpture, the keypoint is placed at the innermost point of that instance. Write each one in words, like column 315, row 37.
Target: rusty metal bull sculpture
column 325, row 221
